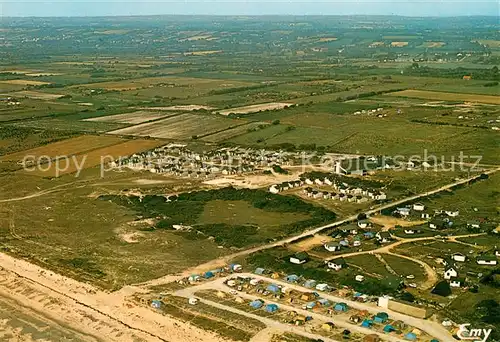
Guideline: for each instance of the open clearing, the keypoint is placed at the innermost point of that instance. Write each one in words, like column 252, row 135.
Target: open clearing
column 93, row 158
column 36, row 95
column 399, row 44
column 436, row 95
column 255, row 108
column 183, row 126
column 130, row 118
column 243, row 213
column 24, row 82
column 65, row 148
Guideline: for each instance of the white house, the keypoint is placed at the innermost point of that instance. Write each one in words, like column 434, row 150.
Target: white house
column 456, row 282
column 359, row 278
column 363, row 224
column 332, row 246
column 403, row 211
column 356, row 243
column 327, row 181
column 450, row 272
column 418, row 207
column 409, row 231
column 322, row 287
column 299, row 258
column 473, row 224
column 451, row 213
column 318, row 181
column 309, row 182
column 458, row 257
column 383, row 237
column 489, row 260
column 337, row 264
column 273, row 189
column 425, row 215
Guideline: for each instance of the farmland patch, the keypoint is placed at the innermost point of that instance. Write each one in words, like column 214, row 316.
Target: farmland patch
column 184, row 126
column 255, row 108
column 94, row 158
column 24, row 82
column 131, row 118
column 37, row 95
column 65, row 148
column 436, row 95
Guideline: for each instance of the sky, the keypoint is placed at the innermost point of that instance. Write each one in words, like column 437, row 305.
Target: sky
column 57, row 8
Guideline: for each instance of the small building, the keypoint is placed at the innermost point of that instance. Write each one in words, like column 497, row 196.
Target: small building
column 487, row 260
column 271, row 307
column 310, row 306
column 363, row 224
column 457, row 282
column 322, row 287
column 193, row 301
column 341, row 307
column 337, row 264
column 332, row 246
column 458, row 257
column 450, row 272
column 344, row 243
column 324, row 302
column 474, row 224
column 359, row 278
column 299, row 258
column 384, row 237
column 369, row 235
column 418, row 207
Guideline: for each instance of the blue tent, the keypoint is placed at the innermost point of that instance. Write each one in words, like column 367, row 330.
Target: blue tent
column 271, row 307
column 208, row 275
column 273, row 288
column 310, row 283
column 411, row 336
column 292, row 278
column 341, row 307
column 259, row 270
column 256, row 304
column 310, row 305
column 308, row 318
column 367, row 323
column 324, row 302
column 389, row 328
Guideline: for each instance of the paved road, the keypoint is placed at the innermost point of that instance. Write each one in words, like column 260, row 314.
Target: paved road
column 224, row 260
column 432, row 328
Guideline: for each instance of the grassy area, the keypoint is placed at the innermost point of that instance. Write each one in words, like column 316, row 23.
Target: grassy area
column 370, row 264
column 405, row 267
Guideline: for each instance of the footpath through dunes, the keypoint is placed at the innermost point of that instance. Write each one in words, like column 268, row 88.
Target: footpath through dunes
column 89, row 311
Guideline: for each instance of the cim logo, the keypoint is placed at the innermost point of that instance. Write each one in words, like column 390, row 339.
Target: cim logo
column 476, row 335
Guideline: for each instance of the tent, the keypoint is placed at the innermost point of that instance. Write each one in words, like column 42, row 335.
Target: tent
column 271, row 307
column 411, row 336
column 259, row 270
column 209, row 275
column 310, row 305
column 367, row 323
column 381, row 317
column 256, row 304
column 389, row 328
column 310, row 283
column 273, row 288
column 341, row 307
column 292, row 278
